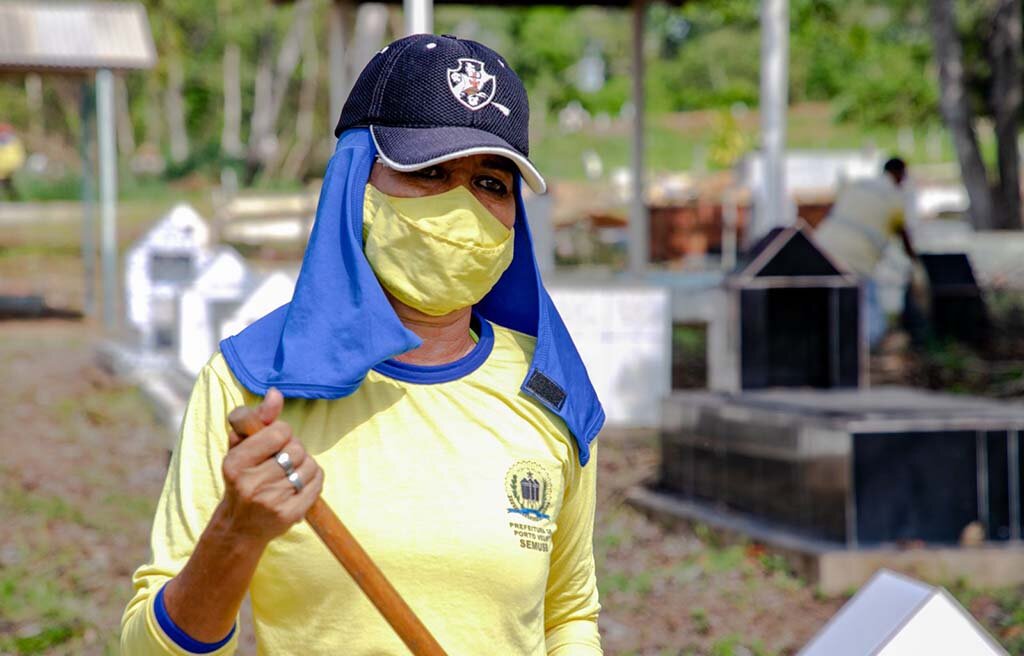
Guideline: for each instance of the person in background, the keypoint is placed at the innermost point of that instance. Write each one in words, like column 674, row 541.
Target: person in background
column 12, row 156
column 866, row 215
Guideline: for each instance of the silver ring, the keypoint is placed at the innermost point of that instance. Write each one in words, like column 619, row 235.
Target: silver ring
column 285, row 461
column 296, row 482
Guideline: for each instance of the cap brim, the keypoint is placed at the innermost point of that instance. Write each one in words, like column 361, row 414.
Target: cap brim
column 409, row 149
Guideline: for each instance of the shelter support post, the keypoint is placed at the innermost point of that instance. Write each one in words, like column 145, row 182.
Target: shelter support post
column 638, row 222
column 419, row 16
column 772, row 209
column 108, row 191
column 88, row 204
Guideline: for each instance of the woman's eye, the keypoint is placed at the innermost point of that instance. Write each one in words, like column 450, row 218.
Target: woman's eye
column 493, row 185
column 429, row 173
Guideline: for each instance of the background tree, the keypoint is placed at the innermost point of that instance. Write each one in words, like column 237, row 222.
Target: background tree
column 978, row 52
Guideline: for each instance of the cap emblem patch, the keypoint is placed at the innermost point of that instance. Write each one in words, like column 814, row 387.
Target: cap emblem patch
column 473, row 86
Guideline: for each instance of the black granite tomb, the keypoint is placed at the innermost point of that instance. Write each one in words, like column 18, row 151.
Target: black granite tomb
column 859, row 467
column 792, row 319
column 958, row 308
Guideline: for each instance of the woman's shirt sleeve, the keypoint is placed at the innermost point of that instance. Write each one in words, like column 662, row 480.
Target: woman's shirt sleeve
column 192, row 490
column 570, row 603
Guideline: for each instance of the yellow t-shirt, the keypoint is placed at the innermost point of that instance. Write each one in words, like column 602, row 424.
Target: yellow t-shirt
column 467, row 494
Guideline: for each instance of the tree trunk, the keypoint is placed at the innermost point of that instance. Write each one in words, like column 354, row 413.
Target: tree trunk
column 153, row 122
column 175, row 109
column 34, row 98
column 371, row 25
column 271, row 86
column 1005, row 55
column 340, row 25
column 125, row 129
column 231, row 133
column 293, row 165
column 956, row 111
column 259, row 141
column 69, row 92
column 288, row 56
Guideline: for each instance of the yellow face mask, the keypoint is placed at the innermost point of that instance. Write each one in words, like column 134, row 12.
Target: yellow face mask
column 435, row 253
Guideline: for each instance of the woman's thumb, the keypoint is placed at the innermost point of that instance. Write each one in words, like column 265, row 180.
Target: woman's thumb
column 271, row 406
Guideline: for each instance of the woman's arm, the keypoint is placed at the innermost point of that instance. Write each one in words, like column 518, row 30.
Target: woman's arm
column 217, row 512
column 571, row 604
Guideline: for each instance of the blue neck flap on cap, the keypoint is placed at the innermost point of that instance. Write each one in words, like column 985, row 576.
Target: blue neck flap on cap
column 339, row 324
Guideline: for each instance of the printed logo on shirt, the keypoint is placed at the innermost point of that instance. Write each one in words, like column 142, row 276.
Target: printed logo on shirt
column 528, row 487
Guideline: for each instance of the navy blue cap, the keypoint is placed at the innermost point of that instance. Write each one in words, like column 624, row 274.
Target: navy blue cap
column 429, row 99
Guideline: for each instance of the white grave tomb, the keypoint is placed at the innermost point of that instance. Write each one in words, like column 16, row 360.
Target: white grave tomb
column 894, row 615
column 812, row 171
column 214, row 296
column 274, row 291
column 159, row 267
column 624, row 335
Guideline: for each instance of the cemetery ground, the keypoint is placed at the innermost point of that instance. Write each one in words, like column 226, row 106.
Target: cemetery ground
column 84, row 462
column 78, row 499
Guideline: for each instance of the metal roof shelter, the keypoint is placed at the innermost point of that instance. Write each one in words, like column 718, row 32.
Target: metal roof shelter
column 84, row 38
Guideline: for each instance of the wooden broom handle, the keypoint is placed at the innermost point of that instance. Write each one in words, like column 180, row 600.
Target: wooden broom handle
column 244, row 421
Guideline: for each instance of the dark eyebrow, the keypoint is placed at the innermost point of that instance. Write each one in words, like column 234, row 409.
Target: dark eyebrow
column 499, row 163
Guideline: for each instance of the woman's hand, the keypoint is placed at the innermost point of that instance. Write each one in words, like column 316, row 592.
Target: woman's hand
column 259, row 502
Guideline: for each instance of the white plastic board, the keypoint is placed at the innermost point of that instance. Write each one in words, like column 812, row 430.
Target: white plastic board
column 624, row 336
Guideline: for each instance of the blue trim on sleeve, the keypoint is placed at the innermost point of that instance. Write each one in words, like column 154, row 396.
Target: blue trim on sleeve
column 444, row 373
column 181, row 638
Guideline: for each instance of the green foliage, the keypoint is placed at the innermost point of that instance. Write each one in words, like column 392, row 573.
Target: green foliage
column 873, row 58
column 728, row 141
column 870, row 59
column 34, row 187
column 717, row 69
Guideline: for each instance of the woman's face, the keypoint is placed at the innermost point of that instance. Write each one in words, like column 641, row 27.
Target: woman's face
column 488, row 177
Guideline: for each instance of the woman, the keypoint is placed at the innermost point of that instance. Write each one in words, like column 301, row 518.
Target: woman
column 443, row 410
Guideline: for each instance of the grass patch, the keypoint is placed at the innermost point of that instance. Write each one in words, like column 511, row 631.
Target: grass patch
column 35, row 611
column 18, row 501
column 641, row 582
column 1001, row 610
column 48, row 637
column 733, row 645
column 701, row 622
column 728, row 559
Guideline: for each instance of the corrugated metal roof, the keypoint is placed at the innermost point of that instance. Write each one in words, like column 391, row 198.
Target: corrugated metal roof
column 77, row 36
